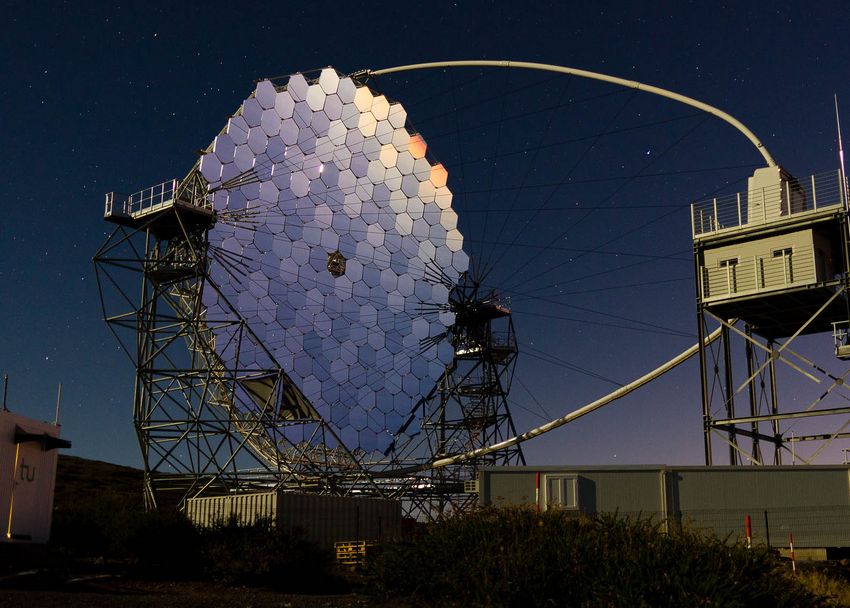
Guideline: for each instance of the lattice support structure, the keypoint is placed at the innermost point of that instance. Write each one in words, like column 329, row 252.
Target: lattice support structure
column 468, row 408
column 772, row 265
column 203, row 427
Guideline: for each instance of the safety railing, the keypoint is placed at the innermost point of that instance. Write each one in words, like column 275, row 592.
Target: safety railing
column 841, row 339
column 155, row 198
column 767, row 205
column 144, row 201
column 748, row 275
column 152, row 198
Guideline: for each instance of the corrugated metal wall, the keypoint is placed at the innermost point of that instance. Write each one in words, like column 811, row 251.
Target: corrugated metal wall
column 813, row 502
column 244, row 508
column 509, row 487
column 328, row 519
column 324, row 519
column 639, row 490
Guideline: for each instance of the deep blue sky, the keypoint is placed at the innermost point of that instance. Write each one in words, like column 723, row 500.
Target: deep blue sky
column 119, row 98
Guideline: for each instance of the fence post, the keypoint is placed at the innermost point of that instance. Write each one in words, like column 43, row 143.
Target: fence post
column 748, row 525
column 740, row 222
column 767, row 530
column 763, row 208
column 785, row 269
column 814, row 194
column 791, row 545
column 716, row 219
column 788, row 197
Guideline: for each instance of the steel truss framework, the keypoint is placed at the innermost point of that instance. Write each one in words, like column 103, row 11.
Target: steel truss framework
column 207, row 428
column 468, row 408
column 743, row 371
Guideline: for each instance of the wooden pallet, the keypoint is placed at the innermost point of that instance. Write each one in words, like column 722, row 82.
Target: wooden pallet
column 353, row 553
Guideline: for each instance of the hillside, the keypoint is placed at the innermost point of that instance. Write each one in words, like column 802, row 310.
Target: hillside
column 79, row 479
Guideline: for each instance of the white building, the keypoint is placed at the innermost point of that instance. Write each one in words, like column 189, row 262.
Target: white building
column 28, row 450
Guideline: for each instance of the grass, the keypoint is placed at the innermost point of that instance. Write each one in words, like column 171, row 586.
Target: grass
column 505, row 557
column 517, row 557
column 832, row 586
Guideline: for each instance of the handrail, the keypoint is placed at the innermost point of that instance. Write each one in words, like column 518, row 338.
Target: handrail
column 156, row 197
column 766, row 205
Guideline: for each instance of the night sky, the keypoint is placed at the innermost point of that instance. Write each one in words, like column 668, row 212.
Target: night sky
column 574, row 193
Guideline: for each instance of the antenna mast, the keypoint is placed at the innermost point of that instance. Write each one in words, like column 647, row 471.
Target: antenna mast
column 58, row 403
column 840, row 147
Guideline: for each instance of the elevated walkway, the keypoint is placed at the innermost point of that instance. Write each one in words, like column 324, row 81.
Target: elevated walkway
column 135, row 209
column 788, row 201
column 776, row 255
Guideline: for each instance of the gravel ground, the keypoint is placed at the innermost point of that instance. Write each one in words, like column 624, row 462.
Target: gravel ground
column 45, row 590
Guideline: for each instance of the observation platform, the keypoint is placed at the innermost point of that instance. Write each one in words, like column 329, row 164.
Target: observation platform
column 776, row 255
column 768, row 207
column 136, row 209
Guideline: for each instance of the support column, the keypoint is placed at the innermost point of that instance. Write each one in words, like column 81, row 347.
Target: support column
column 730, row 392
column 774, row 407
column 751, row 391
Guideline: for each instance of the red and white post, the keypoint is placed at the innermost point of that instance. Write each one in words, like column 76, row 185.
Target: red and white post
column 748, row 524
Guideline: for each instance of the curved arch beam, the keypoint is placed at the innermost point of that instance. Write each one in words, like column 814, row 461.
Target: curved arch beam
column 631, row 84
column 582, row 411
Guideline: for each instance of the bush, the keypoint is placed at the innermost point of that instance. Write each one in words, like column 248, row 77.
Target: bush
column 517, row 557
column 96, row 526
column 267, row 555
column 165, row 544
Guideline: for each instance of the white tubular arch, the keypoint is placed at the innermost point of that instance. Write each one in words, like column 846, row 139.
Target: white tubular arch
column 663, row 368
column 631, row 84
column 576, row 414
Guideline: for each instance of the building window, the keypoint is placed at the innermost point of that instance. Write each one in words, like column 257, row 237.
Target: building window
column 787, row 268
column 730, row 267
column 562, row 492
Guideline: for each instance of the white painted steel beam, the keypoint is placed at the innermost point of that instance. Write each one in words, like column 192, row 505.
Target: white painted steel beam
column 631, row 84
column 582, row 411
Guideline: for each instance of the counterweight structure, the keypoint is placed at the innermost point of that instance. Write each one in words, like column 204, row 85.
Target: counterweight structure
column 772, row 265
column 302, row 291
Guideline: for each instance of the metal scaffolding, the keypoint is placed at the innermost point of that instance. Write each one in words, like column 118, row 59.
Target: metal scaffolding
column 772, row 265
column 206, row 427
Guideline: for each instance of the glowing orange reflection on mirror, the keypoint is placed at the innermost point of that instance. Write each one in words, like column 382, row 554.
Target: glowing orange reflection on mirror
column 417, row 146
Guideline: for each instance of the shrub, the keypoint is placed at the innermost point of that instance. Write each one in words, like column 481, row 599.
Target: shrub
column 517, row 557
column 165, row 544
column 267, row 555
column 829, row 585
column 96, row 526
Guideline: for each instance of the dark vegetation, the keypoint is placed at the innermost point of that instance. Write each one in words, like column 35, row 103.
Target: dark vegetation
column 517, row 557
column 99, row 516
column 510, row 557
